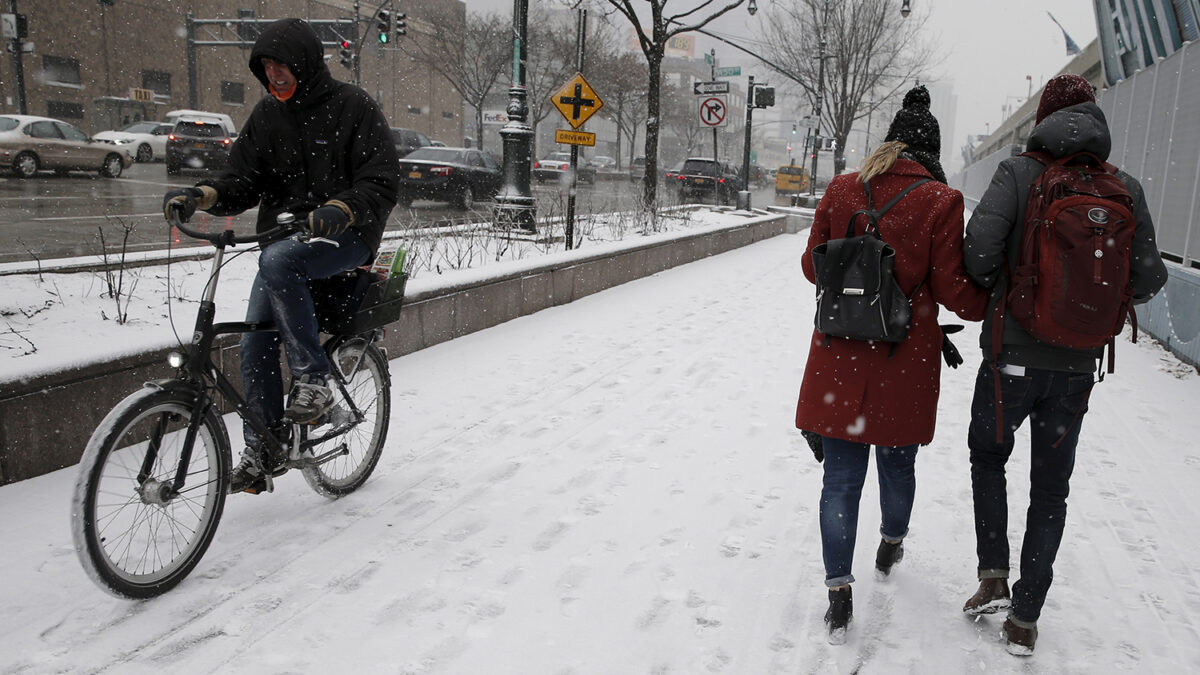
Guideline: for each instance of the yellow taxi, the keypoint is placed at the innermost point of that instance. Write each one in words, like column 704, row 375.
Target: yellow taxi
column 791, row 179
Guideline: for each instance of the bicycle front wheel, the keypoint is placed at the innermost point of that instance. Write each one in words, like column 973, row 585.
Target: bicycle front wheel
column 364, row 385
column 135, row 536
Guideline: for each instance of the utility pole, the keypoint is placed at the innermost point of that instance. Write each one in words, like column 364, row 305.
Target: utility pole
column 713, row 58
column 579, row 43
column 746, row 146
column 812, row 183
column 18, row 65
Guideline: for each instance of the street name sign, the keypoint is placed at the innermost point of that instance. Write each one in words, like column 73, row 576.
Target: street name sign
column 730, row 71
column 575, row 137
column 706, row 88
column 577, row 101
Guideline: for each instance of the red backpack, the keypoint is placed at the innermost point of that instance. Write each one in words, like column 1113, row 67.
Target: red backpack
column 1071, row 286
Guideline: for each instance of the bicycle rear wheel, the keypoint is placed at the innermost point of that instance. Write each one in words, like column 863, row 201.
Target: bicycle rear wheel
column 138, row 539
column 362, row 371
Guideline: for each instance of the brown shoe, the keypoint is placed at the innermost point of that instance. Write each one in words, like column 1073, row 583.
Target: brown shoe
column 1020, row 639
column 992, row 596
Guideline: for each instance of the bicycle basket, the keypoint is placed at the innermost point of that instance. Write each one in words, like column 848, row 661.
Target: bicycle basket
column 356, row 301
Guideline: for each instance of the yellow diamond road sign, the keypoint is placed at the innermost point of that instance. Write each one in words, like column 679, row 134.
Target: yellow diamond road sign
column 577, row 101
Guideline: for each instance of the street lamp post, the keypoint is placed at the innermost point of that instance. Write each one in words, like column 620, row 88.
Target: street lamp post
column 514, row 202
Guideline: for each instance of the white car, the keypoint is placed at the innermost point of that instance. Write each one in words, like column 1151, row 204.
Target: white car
column 146, row 141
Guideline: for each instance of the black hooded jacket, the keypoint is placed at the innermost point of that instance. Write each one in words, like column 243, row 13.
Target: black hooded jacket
column 997, row 223
column 329, row 140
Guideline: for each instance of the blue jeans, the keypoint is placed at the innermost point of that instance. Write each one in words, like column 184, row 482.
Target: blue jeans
column 1055, row 403
column 280, row 294
column 845, row 473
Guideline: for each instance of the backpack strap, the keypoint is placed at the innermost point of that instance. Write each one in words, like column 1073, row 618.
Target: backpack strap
column 874, row 214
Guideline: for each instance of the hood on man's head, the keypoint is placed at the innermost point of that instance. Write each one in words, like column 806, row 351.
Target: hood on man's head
column 290, row 41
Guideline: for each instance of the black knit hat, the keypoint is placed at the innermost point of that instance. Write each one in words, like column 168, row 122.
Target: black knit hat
column 917, row 128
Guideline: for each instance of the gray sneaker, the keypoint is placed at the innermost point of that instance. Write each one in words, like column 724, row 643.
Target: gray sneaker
column 249, row 475
column 309, row 400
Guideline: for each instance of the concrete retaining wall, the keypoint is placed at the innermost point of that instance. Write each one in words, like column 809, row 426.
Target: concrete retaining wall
column 45, row 422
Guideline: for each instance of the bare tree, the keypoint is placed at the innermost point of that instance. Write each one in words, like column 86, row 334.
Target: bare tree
column 653, row 33
column 622, row 78
column 470, row 57
column 679, row 117
column 871, row 54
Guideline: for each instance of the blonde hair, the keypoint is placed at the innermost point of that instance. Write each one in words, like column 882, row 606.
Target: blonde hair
column 881, row 160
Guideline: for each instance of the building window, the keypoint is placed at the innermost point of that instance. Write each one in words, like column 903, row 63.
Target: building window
column 414, row 110
column 157, row 81
column 61, row 71
column 233, row 93
column 64, row 110
column 447, row 115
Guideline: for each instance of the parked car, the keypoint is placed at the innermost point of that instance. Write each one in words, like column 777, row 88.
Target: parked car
column 637, row 168
column 456, row 175
column 703, row 177
column 197, row 145
column 557, row 166
column 146, row 140
column 220, row 119
column 407, row 140
column 790, row 179
column 29, row 144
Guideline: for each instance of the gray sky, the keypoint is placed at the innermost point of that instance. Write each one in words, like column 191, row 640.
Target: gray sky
column 988, row 47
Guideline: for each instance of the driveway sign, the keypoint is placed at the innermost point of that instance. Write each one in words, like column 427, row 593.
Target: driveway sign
column 713, row 111
column 577, row 101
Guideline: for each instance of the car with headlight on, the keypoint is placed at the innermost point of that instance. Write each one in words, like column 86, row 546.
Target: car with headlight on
column 146, row 140
column 30, row 144
column 557, row 167
column 460, row 176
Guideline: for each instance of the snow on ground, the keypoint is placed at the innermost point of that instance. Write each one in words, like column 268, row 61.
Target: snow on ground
column 614, row 486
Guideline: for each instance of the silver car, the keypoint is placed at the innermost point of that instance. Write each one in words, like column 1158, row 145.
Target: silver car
column 29, row 144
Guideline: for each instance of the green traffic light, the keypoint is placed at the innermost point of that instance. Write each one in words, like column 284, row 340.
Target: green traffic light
column 383, row 38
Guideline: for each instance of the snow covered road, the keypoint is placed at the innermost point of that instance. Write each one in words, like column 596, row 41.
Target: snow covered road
column 615, row 487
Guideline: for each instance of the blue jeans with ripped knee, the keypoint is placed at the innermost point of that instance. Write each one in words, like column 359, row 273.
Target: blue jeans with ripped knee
column 280, row 294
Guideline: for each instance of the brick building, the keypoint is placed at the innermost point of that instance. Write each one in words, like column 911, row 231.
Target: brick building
column 91, row 60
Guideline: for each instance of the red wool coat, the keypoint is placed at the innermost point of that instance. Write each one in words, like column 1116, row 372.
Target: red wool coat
column 852, row 390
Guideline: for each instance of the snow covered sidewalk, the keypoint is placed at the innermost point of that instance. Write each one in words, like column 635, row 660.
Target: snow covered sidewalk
column 615, row 487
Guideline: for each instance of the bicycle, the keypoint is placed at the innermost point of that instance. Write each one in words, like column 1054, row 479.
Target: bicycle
column 154, row 475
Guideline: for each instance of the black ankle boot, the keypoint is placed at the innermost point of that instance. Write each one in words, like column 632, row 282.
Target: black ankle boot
column 887, row 555
column 839, row 614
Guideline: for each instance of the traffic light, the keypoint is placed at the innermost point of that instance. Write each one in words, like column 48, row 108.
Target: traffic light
column 793, row 128
column 764, row 97
column 345, row 55
column 385, row 26
column 401, row 26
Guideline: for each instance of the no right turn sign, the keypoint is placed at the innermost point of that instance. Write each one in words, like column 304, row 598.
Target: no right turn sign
column 713, row 111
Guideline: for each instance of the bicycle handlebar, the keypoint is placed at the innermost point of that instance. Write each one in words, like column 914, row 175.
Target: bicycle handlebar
column 224, row 238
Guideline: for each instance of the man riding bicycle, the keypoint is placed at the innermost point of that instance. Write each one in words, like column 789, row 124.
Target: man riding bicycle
column 318, row 145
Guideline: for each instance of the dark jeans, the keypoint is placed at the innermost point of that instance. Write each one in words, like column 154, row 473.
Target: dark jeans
column 1055, row 403
column 845, row 473
column 280, row 294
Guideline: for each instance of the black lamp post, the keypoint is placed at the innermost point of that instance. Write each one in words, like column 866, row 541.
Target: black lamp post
column 514, row 203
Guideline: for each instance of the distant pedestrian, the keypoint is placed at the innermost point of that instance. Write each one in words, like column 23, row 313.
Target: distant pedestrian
column 857, row 393
column 1035, row 379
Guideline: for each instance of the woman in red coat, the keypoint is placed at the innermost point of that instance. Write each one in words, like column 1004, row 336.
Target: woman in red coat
column 857, row 393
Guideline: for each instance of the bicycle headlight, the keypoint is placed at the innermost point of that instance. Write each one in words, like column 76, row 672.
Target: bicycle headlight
column 176, row 359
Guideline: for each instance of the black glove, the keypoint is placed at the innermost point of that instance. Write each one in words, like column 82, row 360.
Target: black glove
column 949, row 351
column 814, row 444
column 329, row 220
column 185, row 198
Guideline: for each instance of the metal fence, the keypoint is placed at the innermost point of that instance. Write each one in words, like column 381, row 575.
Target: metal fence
column 1156, row 137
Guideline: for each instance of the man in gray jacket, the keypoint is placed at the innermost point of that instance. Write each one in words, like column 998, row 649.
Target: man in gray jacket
column 1046, row 383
